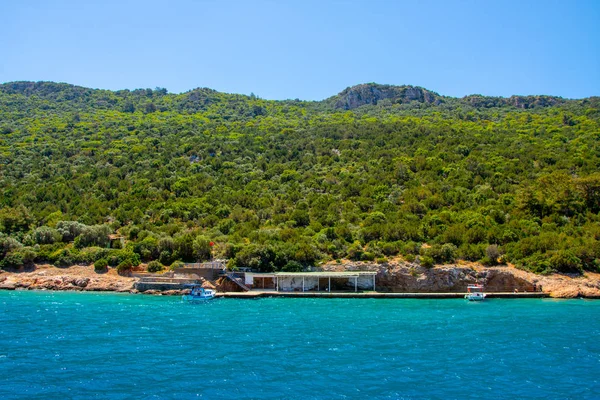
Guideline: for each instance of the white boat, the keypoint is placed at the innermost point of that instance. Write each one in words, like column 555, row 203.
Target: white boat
column 198, row 293
column 475, row 293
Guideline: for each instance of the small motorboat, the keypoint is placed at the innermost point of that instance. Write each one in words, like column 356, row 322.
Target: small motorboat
column 475, row 293
column 198, row 293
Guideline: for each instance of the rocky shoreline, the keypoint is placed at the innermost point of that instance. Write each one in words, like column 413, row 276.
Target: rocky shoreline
column 76, row 278
column 401, row 276
column 397, row 276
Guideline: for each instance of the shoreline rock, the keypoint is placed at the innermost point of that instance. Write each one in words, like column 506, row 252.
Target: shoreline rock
column 401, row 276
column 394, row 276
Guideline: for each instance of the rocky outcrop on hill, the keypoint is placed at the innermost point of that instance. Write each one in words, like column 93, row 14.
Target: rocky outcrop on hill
column 371, row 93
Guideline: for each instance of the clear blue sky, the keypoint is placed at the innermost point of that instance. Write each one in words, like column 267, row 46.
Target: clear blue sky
column 306, row 49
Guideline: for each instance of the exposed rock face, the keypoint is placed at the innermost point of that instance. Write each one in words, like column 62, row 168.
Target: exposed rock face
column 395, row 276
column 224, row 285
column 448, row 279
column 526, row 102
column 371, row 93
column 412, row 278
column 73, row 278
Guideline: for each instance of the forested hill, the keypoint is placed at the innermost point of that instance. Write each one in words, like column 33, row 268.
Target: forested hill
column 376, row 171
column 395, row 99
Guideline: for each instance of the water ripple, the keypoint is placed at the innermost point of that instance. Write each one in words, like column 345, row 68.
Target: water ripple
column 92, row 345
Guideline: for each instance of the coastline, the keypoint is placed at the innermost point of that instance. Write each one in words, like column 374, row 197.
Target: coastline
column 395, row 280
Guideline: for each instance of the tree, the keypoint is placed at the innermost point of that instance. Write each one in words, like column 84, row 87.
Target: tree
column 202, row 248
column 15, row 220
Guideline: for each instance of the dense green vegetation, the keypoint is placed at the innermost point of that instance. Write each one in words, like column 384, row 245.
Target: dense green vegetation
column 374, row 172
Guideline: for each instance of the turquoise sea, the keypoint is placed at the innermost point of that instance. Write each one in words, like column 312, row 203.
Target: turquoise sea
column 57, row 345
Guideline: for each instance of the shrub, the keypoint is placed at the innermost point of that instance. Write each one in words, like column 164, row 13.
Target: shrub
column 537, row 263
column 96, row 235
column 253, row 257
column 124, row 267
column 454, row 234
column 46, row 235
column 390, row 249
column 445, row 253
column 147, row 248
column 492, row 253
column 87, row 255
column 410, row 257
column 166, row 257
column 133, row 232
column 45, row 252
column 98, row 252
column 226, row 226
column 135, row 259
column 381, row 260
column 566, row 261
column 332, row 249
column 476, row 234
column 488, row 262
column 166, row 244
column 70, row 229
column 154, row 266
column 471, row 252
column 8, row 244
column 28, row 254
column 448, row 252
column 14, row 220
column 410, row 248
column 589, row 255
column 113, row 260
column 115, row 257
column 368, row 256
column 427, row 262
column 293, row 266
column 176, row 264
column 231, row 250
column 12, row 261
column 304, row 252
column 355, row 252
column 100, row 265
column 63, row 258
column 184, row 244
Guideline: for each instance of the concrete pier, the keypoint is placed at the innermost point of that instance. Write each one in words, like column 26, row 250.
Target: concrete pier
column 255, row 294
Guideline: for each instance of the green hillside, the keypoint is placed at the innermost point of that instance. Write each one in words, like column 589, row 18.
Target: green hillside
column 373, row 172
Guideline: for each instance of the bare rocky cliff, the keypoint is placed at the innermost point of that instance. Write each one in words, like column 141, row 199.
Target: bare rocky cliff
column 407, row 277
column 373, row 93
column 370, row 93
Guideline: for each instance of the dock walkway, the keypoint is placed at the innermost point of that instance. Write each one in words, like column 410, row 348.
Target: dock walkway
column 254, row 294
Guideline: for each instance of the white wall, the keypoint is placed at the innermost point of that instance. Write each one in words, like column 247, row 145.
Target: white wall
column 291, row 283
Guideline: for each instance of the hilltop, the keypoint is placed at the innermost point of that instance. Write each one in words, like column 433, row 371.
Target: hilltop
column 368, row 94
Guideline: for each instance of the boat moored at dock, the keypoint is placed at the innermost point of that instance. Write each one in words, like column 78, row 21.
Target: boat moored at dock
column 475, row 293
column 198, row 293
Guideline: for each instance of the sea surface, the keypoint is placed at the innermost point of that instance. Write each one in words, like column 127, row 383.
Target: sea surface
column 60, row 345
